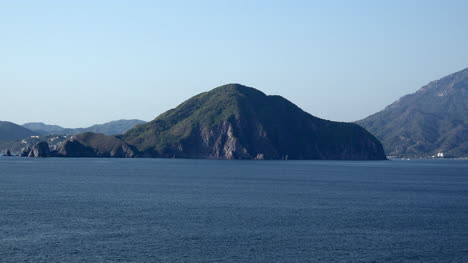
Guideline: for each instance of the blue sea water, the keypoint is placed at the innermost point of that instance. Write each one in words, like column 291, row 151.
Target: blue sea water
column 169, row 210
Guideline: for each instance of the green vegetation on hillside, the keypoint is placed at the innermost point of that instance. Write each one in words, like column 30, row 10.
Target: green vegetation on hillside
column 234, row 121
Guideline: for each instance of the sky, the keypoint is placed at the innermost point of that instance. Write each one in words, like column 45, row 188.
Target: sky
column 78, row 63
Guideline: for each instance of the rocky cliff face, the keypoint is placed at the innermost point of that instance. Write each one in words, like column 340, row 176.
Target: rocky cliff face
column 73, row 148
column 238, row 122
column 40, row 149
column 24, row 152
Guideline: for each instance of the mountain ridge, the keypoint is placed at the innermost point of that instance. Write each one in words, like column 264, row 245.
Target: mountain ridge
column 430, row 120
column 109, row 128
column 10, row 131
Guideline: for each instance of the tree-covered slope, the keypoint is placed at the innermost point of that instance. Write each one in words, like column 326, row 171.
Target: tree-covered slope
column 238, row 122
column 434, row 119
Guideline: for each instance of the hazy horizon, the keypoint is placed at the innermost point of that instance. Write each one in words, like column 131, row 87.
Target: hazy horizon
column 79, row 64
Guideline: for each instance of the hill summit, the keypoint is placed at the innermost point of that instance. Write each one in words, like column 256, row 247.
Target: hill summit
column 238, row 122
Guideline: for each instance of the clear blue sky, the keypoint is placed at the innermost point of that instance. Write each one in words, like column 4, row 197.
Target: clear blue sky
column 76, row 63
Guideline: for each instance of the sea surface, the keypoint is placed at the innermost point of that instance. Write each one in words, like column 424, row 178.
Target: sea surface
column 170, row 210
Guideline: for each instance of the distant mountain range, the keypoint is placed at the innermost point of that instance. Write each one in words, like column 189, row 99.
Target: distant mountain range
column 11, row 132
column 434, row 119
column 110, row 128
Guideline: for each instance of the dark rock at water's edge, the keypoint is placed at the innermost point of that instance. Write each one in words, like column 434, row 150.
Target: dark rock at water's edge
column 40, row 149
column 83, row 145
column 7, row 153
column 24, row 152
column 73, row 148
column 238, row 122
column 18, row 146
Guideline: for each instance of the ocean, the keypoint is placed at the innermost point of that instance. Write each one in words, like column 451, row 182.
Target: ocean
column 174, row 210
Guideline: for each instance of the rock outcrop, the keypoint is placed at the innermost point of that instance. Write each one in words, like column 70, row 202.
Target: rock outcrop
column 73, row 148
column 40, row 149
column 24, row 152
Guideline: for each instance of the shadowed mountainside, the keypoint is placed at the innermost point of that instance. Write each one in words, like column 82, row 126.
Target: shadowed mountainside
column 433, row 119
column 10, row 131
